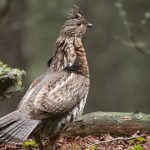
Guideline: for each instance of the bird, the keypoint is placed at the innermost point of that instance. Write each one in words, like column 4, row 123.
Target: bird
column 58, row 96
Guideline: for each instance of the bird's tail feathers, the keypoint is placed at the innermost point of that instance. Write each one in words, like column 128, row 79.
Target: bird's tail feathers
column 15, row 128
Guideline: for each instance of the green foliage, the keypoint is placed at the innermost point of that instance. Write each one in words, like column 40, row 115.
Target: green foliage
column 138, row 139
column 29, row 144
column 137, row 147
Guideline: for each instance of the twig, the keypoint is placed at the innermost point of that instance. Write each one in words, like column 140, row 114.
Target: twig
column 116, row 139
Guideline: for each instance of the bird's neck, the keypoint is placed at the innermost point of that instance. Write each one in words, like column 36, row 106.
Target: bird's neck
column 70, row 54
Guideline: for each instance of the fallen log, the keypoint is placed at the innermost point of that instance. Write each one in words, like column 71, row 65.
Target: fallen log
column 115, row 123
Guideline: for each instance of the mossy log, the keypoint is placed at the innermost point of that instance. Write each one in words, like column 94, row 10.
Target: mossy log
column 115, row 123
column 10, row 80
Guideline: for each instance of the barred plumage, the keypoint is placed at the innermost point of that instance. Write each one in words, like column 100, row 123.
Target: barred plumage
column 56, row 97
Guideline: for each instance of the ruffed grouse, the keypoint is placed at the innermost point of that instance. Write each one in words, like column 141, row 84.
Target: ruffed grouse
column 56, row 97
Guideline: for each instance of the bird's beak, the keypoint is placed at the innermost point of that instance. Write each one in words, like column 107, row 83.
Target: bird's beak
column 89, row 24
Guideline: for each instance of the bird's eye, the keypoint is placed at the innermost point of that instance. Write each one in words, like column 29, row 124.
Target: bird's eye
column 79, row 23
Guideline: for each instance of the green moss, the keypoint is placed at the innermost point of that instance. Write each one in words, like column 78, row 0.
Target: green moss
column 137, row 147
column 138, row 139
column 18, row 78
column 10, row 79
column 29, row 144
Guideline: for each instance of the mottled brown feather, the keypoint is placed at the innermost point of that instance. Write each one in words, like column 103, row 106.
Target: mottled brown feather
column 58, row 96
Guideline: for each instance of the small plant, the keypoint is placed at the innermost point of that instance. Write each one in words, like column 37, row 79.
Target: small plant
column 29, row 144
column 137, row 147
column 93, row 147
column 138, row 139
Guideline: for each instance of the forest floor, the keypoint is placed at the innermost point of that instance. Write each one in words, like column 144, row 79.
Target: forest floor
column 105, row 142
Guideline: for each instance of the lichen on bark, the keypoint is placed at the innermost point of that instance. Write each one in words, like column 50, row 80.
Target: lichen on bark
column 10, row 81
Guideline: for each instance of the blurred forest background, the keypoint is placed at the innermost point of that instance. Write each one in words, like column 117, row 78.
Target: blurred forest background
column 117, row 47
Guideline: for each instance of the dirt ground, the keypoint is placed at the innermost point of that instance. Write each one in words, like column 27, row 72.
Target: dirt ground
column 105, row 142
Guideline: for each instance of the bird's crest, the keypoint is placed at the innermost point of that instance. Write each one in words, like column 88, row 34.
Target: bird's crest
column 75, row 13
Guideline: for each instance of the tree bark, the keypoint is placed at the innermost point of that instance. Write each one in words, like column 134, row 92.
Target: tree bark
column 115, row 123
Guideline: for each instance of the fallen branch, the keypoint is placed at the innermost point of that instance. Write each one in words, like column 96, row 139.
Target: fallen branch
column 142, row 137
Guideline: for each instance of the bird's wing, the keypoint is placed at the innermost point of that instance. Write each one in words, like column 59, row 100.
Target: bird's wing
column 60, row 93
column 28, row 98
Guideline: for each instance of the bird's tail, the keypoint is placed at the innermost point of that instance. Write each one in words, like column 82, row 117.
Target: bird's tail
column 15, row 128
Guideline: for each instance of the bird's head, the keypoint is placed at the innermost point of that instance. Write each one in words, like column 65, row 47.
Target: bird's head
column 75, row 24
